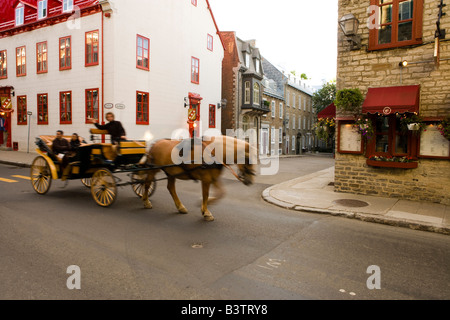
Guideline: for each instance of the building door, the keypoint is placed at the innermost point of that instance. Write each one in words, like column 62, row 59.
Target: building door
column 6, row 117
column 287, row 144
column 264, row 141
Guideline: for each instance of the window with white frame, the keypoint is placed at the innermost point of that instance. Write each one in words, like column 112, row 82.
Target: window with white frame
column 287, row 120
column 256, row 93
column 300, row 102
column 299, row 122
column 272, row 135
column 42, row 9
column 293, row 121
column 67, row 5
column 20, row 11
column 304, row 104
column 280, row 135
column 293, row 100
column 293, row 143
column 273, row 109
column 304, row 123
column 281, row 110
column 247, row 93
column 288, row 94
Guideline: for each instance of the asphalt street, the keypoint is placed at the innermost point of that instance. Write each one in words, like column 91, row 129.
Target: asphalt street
column 253, row 250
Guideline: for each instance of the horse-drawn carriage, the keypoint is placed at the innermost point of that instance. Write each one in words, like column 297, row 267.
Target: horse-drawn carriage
column 95, row 164
column 98, row 164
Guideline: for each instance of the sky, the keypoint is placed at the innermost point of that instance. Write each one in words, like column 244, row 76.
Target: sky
column 298, row 35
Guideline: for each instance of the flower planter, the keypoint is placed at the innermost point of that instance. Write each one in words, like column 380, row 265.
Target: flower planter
column 392, row 164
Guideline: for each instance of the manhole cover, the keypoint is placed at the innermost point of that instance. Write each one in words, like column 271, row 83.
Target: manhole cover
column 351, row 203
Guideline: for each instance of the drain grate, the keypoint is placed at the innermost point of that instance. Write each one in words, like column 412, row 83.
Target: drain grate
column 350, row 203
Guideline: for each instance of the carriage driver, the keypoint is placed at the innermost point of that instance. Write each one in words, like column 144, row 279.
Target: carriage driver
column 114, row 128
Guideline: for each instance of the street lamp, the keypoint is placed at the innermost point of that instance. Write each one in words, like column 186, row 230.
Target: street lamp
column 349, row 25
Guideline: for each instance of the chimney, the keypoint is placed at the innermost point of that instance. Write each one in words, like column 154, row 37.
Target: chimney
column 252, row 43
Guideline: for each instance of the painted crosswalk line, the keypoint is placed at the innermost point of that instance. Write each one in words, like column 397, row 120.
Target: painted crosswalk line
column 22, row 177
column 8, row 180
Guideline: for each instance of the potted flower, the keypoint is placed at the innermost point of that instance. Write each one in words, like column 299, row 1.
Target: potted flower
column 349, row 100
column 444, row 128
column 364, row 126
column 412, row 122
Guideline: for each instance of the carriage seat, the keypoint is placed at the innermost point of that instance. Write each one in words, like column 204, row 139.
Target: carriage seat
column 49, row 140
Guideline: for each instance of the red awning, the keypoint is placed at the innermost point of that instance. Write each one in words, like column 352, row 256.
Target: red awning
column 329, row 112
column 390, row 100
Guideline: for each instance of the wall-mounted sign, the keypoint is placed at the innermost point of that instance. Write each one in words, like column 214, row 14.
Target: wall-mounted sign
column 109, row 106
column 433, row 144
column 349, row 140
column 120, row 106
column 192, row 114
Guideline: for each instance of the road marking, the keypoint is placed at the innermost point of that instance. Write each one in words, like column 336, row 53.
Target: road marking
column 22, row 177
column 8, row 180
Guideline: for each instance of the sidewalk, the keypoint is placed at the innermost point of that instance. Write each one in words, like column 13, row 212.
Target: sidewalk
column 315, row 193
column 17, row 158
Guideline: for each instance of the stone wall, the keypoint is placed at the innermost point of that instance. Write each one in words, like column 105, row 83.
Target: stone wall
column 364, row 69
column 429, row 182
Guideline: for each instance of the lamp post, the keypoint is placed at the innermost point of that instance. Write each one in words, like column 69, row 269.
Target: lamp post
column 29, row 113
column 349, row 25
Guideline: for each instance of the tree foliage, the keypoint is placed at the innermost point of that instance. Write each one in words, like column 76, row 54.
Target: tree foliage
column 325, row 96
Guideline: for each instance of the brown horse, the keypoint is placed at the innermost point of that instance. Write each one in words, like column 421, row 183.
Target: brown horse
column 203, row 160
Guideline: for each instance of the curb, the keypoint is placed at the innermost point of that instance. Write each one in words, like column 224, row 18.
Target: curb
column 17, row 164
column 366, row 217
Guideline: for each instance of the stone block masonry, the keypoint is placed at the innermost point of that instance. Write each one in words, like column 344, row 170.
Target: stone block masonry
column 364, row 69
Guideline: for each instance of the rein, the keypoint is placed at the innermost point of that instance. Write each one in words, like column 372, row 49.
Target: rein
column 234, row 173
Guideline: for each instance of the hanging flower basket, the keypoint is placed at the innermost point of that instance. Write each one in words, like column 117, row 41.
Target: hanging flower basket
column 325, row 128
column 444, row 128
column 364, row 126
column 413, row 123
column 413, row 126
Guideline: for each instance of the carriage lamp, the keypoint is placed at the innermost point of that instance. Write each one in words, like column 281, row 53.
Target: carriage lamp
column 403, row 64
column 186, row 102
column 349, row 25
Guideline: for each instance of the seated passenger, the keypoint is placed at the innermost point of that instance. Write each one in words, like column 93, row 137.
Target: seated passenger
column 75, row 142
column 60, row 145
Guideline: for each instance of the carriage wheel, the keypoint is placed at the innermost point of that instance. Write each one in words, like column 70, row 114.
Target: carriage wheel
column 103, row 187
column 86, row 182
column 41, row 175
column 139, row 187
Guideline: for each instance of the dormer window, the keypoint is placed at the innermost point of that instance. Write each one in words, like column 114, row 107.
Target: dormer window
column 42, row 9
column 247, row 60
column 67, row 5
column 20, row 10
column 258, row 65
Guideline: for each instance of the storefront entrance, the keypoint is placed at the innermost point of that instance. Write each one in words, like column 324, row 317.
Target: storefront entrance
column 5, row 117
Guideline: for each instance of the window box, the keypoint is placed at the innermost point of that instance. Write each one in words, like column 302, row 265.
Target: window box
column 392, row 164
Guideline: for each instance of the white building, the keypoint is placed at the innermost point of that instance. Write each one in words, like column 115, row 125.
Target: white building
column 149, row 62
